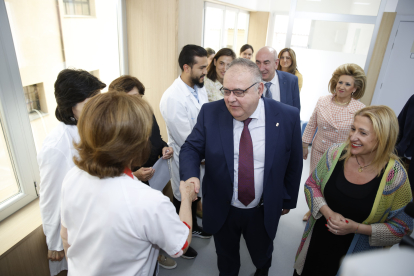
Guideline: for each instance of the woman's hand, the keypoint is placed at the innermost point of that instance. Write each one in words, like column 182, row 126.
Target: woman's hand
column 342, row 227
column 305, row 150
column 144, row 174
column 167, row 152
column 55, row 256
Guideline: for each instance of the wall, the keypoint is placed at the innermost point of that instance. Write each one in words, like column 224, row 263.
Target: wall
column 380, row 47
column 152, row 48
column 190, row 24
column 258, row 24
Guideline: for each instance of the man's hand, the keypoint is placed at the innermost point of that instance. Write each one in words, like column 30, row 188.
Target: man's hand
column 55, row 256
column 144, row 174
column 167, row 152
column 285, row 211
column 187, row 189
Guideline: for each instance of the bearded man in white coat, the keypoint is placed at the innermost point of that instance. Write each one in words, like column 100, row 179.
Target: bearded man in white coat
column 180, row 105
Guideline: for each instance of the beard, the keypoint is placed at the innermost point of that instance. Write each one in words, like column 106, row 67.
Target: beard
column 196, row 81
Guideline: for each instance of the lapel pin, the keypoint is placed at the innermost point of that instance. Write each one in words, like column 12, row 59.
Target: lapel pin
column 277, row 124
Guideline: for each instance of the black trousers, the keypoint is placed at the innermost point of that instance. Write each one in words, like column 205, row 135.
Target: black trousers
column 177, row 205
column 250, row 223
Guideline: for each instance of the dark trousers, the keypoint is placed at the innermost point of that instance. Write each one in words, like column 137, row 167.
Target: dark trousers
column 250, row 223
column 177, row 205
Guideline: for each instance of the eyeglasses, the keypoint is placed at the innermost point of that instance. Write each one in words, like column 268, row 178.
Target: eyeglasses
column 237, row 92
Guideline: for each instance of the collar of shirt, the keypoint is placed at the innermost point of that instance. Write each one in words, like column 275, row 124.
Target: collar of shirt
column 275, row 80
column 193, row 91
column 256, row 116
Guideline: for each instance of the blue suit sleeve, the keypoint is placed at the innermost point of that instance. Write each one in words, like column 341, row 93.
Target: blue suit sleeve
column 295, row 91
column 192, row 151
column 294, row 168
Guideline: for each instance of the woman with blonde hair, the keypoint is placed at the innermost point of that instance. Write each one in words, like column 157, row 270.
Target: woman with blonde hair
column 287, row 63
column 112, row 223
column 333, row 113
column 357, row 195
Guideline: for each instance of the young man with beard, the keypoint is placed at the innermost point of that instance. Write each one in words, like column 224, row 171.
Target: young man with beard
column 179, row 106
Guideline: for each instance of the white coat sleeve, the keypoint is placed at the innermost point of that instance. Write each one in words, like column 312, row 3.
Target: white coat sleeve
column 163, row 226
column 53, row 166
column 176, row 118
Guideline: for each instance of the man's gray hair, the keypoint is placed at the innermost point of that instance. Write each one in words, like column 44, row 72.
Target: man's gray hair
column 249, row 66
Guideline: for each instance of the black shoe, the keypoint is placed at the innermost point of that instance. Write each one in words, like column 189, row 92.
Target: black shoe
column 262, row 272
column 190, row 254
column 199, row 233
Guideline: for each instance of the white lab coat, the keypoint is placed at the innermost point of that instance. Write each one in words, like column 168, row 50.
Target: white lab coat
column 180, row 109
column 55, row 159
column 117, row 225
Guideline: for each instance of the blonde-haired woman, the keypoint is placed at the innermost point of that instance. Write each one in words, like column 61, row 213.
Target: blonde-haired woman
column 333, row 113
column 287, row 63
column 357, row 195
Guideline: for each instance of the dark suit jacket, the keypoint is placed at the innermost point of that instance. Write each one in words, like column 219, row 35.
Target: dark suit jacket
column 289, row 89
column 405, row 144
column 212, row 139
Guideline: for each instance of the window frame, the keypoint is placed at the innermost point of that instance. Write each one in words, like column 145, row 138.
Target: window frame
column 225, row 8
column 15, row 122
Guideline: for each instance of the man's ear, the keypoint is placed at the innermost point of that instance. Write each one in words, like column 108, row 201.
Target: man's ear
column 187, row 68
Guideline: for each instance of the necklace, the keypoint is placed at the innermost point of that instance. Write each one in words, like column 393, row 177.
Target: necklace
column 341, row 103
column 360, row 167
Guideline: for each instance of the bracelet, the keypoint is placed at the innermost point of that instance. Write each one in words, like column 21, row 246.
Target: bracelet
column 357, row 228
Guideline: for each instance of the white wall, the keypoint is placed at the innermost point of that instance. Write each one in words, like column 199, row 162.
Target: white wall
column 405, row 7
column 323, row 63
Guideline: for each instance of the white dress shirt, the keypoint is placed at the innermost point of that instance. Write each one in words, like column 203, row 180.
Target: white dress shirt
column 257, row 132
column 117, row 225
column 274, row 88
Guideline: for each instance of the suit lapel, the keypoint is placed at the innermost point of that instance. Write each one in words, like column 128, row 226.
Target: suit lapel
column 272, row 137
column 226, row 135
column 327, row 112
column 281, row 87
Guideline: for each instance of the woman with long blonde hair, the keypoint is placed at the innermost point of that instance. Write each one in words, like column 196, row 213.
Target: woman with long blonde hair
column 357, row 195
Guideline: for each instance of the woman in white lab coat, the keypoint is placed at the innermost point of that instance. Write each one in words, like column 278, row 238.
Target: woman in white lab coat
column 72, row 89
column 112, row 223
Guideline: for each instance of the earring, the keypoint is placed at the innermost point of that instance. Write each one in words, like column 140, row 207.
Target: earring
column 72, row 119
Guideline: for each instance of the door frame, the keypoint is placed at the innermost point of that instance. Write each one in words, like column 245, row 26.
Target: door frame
column 387, row 55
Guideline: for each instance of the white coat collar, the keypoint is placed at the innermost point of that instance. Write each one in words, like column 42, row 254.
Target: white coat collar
column 183, row 88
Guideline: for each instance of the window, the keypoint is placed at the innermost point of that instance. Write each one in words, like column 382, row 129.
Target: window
column 225, row 27
column 77, row 7
column 38, row 48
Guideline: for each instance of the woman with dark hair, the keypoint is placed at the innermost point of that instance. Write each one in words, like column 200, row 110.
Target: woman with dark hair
column 73, row 88
column 132, row 86
column 246, row 51
column 287, row 63
column 113, row 224
column 215, row 73
column 210, row 54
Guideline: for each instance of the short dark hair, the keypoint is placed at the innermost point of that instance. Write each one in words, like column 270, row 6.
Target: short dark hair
column 72, row 87
column 245, row 47
column 210, row 51
column 126, row 83
column 114, row 129
column 188, row 53
column 211, row 70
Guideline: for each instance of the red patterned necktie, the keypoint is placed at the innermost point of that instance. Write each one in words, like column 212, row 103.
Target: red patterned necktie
column 246, row 166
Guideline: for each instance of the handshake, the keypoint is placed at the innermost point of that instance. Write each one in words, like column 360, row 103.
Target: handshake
column 190, row 188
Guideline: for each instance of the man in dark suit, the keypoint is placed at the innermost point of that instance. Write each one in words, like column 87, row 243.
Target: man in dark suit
column 253, row 153
column 279, row 86
column 405, row 143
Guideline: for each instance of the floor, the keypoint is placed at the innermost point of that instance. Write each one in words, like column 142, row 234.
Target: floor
column 286, row 244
